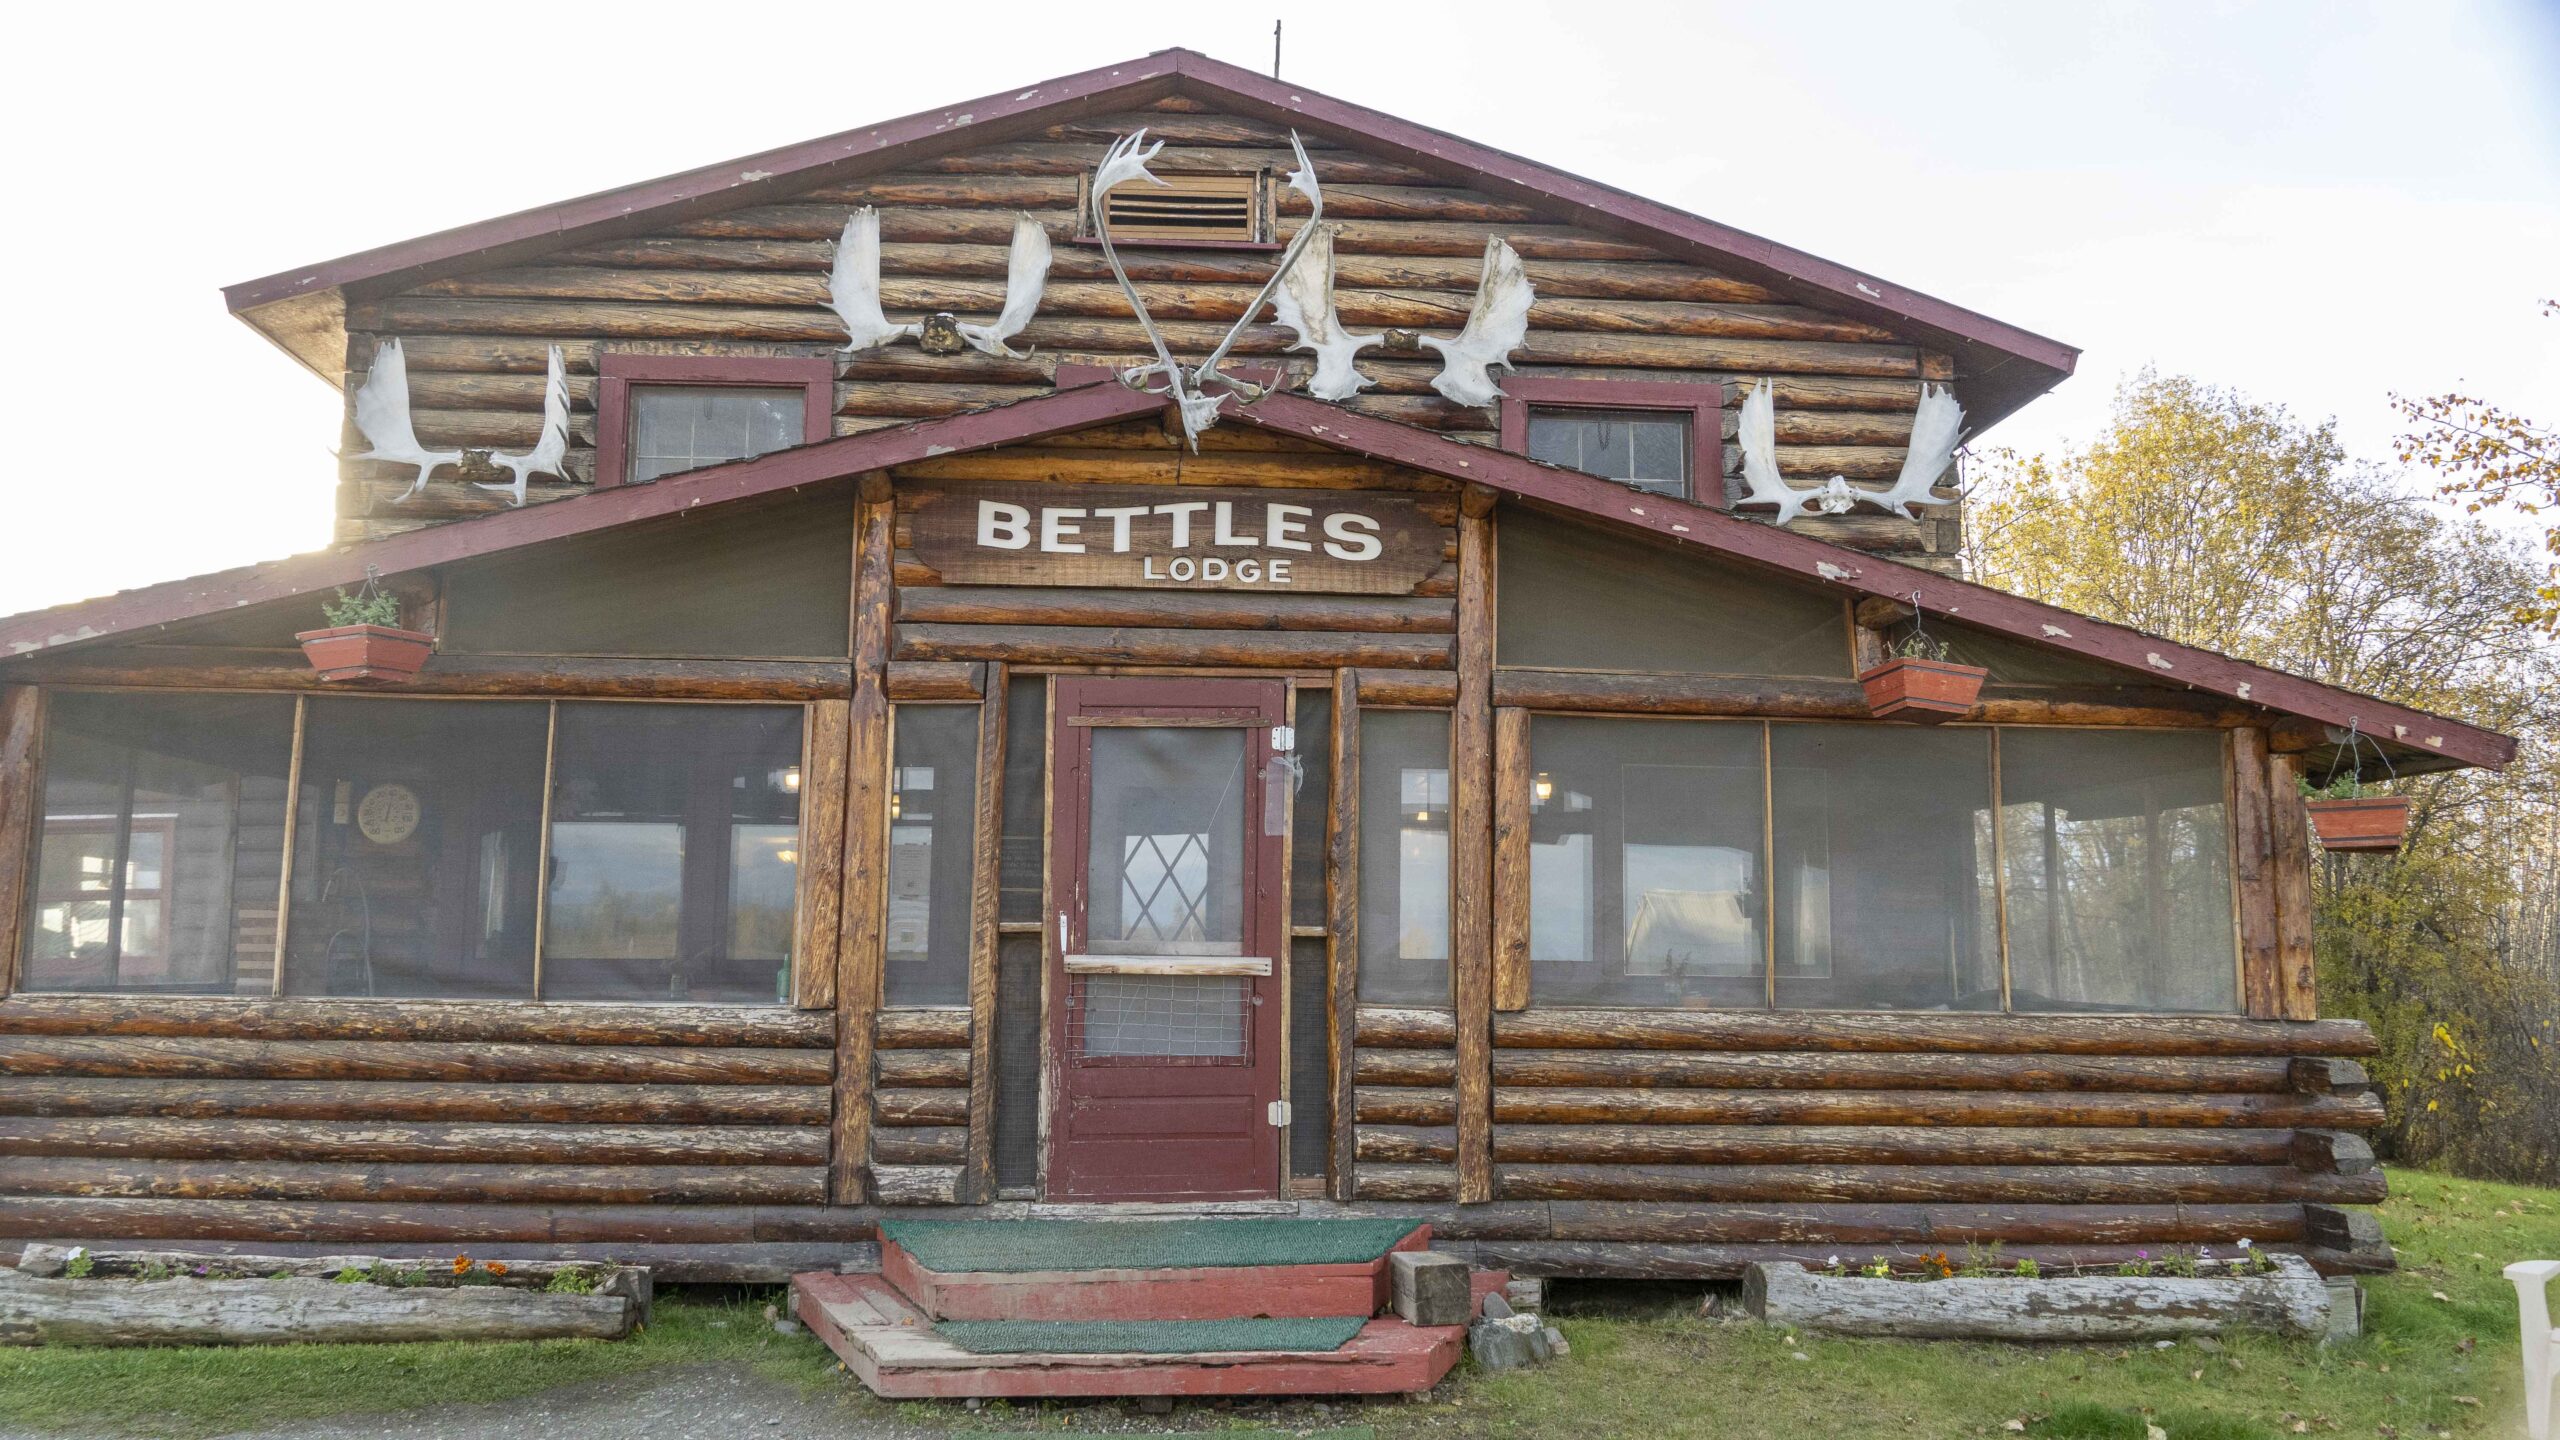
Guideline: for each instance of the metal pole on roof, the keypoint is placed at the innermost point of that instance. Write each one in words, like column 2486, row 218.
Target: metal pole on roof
column 1275, row 49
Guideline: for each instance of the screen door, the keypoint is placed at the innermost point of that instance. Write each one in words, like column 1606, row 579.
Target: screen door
column 1166, row 939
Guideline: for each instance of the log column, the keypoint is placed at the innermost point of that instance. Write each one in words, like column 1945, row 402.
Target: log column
column 866, row 848
column 1471, row 847
column 2297, row 991
column 1342, row 925
column 978, row 1172
column 2253, row 872
column 19, row 802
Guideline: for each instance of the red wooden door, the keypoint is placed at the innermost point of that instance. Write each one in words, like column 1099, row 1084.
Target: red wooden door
column 1166, row 939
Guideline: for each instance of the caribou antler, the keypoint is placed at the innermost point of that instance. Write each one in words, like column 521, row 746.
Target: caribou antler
column 1126, row 160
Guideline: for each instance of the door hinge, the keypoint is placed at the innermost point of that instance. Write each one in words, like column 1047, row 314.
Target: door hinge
column 1279, row 1113
column 1284, row 737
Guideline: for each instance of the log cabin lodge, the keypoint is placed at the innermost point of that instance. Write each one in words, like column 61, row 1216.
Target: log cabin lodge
column 911, row 780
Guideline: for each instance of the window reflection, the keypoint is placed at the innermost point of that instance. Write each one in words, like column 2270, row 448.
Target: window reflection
column 675, row 428
column 932, row 850
column 1644, row 448
column 1404, row 856
column 669, row 832
column 159, row 846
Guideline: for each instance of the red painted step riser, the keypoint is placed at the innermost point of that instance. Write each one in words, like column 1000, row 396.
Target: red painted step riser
column 1209, row 1293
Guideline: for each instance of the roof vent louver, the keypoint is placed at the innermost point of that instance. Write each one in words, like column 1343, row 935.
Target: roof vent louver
column 1223, row 209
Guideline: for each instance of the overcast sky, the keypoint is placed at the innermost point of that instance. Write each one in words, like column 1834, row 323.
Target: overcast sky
column 2318, row 202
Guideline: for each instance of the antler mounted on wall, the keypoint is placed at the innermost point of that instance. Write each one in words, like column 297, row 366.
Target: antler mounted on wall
column 382, row 416
column 853, row 292
column 1936, row 426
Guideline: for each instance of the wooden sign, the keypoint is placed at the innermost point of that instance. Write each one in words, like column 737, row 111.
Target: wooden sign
column 1177, row 537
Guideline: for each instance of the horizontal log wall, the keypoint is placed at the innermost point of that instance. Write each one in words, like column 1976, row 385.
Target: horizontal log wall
column 1681, row 1127
column 920, row 1106
column 753, row 280
column 111, row 1103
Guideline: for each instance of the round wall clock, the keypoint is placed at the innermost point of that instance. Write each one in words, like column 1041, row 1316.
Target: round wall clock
column 388, row 814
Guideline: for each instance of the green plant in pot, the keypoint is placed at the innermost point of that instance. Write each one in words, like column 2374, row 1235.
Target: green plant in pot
column 363, row 642
column 1918, row 683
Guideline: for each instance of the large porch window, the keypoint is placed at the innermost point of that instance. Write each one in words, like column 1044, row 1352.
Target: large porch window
column 461, row 849
column 159, row 842
column 1404, row 857
column 1742, row 865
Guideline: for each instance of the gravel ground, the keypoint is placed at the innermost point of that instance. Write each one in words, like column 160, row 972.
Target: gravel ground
column 717, row 1402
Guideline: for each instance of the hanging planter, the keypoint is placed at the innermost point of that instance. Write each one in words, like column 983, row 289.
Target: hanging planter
column 1919, row 684
column 2344, row 816
column 363, row 642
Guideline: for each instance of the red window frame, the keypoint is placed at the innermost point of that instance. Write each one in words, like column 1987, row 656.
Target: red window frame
column 1703, row 404
column 815, row 375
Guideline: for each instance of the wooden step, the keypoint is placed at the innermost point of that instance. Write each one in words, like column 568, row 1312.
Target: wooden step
column 1193, row 1293
column 890, row 1345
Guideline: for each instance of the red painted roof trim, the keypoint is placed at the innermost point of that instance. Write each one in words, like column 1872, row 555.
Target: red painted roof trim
column 1765, row 547
column 131, row 611
column 1999, row 366
column 1784, row 552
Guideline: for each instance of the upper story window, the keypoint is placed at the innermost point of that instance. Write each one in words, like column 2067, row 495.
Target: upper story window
column 1235, row 210
column 661, row 415
column 1648, row 449
column 1663, row 437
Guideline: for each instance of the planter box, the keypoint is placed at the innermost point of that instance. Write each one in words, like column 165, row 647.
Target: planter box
column 366, row 653
column 2293, row 1300
column 41, row 1305
column 1922, row 691
column 2368, row 822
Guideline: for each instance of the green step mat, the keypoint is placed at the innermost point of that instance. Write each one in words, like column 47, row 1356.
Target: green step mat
column 959, row 1246
column 1146, row 1337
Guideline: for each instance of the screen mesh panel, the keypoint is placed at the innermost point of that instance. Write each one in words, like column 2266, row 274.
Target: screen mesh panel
column 1576, row 598
column 1159, row 1017
column 1309, row 827
column 1018, row 1062
column 1310, row 1084
column 1026, row 820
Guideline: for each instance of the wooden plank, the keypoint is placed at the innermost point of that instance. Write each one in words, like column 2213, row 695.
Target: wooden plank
column 378, row 1100
column 233, row 1137
column 820, row 915
column 1907, row 1033
column 191, row 1057
column 2289, row 840
column 236, row 668
column 20, row 800
column 954, row 680
column 1511, row 805
column 377, row 1181
column 2252, row 870
column 498, row 1021
column 1471, row 847
column 1106, row 645
column 1431, row 689
column 1190, row 609
column 2291, row 1302
column 978, row 1169
column 1342, row 925
column 866, row 856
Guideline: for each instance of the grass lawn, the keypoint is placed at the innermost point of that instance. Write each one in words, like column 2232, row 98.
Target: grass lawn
column 2438, row 1358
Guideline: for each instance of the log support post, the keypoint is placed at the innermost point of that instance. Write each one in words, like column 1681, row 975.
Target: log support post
column 821, row 879
column 20, row 800
column 1471, row 846
column 1512, row 799
column 978, row 1171
column 2297, row 986
column 2253, row 870
column 866, row 842
column 1342, row 926
column 1869, row 619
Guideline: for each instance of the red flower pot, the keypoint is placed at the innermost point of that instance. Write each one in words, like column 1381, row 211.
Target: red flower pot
column 1922, row 691
column 2368, row 822
column 367, row 654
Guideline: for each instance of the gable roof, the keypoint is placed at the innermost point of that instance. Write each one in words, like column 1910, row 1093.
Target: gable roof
column 1763, row 547
column 1999, row 367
